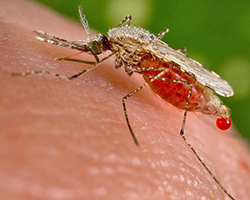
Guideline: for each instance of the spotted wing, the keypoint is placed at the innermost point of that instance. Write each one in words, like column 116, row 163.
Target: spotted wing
column 193, row 68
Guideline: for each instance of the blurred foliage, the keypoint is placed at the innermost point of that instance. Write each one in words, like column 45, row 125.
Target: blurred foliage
column 216, row 33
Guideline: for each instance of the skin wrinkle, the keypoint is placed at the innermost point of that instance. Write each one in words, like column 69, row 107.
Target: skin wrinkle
column 47, row 148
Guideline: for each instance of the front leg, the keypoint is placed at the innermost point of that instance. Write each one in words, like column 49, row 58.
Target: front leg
column 93, row 65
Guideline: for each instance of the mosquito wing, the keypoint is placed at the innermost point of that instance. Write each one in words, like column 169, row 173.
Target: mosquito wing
column 193, row 68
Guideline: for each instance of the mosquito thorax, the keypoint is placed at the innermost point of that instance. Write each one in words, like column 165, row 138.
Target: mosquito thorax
column 136, row 34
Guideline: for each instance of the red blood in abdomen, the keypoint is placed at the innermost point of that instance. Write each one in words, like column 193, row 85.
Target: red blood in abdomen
column 174, row 93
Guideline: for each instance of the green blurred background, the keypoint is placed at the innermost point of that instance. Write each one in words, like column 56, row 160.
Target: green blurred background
column 216, row 33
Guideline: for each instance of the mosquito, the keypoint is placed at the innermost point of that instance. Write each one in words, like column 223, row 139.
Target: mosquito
column 176, row 78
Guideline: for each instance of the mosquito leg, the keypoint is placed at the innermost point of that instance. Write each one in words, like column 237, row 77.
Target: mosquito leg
column 131, row 94
column 183, row 50
column 162, row 33
column 153, row 78
column 193, row 150
column 89, row 68
column 158, row 77
column 93, row 65
column 76, row 60
column 96, row 57
column 128, row 19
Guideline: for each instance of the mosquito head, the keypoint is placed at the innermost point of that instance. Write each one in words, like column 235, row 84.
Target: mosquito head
column 98, row 44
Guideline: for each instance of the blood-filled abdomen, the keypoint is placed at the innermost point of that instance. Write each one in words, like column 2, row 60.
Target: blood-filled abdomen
column 170, row 91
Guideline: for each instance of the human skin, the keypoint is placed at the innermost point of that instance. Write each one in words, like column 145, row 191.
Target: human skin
column 65, row 139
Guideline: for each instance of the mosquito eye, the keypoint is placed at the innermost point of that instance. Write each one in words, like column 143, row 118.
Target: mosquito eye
column 95, row 47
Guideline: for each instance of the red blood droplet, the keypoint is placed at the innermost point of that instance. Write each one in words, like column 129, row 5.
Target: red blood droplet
column 223, row 124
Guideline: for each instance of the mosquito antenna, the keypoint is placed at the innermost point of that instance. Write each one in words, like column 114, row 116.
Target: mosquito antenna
column 84, row 21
